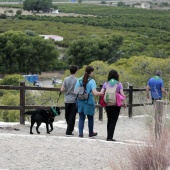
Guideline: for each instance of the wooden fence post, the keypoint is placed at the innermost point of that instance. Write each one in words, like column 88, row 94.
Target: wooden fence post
column 22, row 102
column 159, row 107
column 130, row 101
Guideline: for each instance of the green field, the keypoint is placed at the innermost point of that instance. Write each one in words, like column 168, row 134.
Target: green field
column 144, row 31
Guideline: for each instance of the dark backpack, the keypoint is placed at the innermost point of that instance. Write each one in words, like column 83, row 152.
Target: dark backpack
column 81, row 92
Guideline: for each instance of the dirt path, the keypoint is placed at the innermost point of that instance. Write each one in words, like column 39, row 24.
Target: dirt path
column 20, row 150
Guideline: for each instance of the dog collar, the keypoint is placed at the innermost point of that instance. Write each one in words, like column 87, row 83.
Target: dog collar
column 54, row 111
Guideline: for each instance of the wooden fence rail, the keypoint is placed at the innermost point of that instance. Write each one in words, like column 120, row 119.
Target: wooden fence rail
column 22, row 107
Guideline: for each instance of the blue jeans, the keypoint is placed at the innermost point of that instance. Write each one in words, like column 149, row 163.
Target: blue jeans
column 82, row 118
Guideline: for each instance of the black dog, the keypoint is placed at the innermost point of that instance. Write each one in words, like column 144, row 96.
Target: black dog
column 45, row 116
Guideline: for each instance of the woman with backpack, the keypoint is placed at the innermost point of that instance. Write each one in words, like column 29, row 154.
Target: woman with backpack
column 87, row 106
column 113, row 94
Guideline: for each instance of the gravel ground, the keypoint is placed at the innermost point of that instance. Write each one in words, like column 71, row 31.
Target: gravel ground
column 20, row 150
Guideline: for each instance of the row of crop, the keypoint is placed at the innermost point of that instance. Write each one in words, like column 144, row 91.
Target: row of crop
column 100, row 10
column 127, row 22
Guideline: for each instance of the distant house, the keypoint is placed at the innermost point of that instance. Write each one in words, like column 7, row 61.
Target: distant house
column 143, row 5
column 54, row 37
column 53, row 11
column 113, row 4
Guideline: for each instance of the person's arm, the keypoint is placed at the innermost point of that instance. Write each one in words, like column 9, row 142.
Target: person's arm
column 102, row 90
column 163, row 90
column 124, row 100
column 62, row 88
column 97, row 93
column 122, row 92
column 93, row 87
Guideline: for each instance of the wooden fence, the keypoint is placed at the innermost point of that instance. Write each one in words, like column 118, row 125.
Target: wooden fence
column 22, row 107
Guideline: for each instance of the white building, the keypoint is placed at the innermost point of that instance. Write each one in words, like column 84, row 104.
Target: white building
column 53, row 11
column 143, row 5
column 54, row 37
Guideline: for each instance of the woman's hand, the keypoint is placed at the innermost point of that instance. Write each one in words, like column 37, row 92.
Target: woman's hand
column 124, row 105
column 97, row 93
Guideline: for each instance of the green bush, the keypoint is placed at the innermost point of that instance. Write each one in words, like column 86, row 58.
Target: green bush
column 9, row 99
column 30, row 33
column 10, row 11
column 19, row 12
column 14, row 79
column 3, row 16
column 103, row 2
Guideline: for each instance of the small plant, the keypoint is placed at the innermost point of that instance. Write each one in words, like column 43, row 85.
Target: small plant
column 10, row 11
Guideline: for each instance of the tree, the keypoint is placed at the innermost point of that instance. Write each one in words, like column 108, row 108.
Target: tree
column 20, row 53
column 135, row 70
column 120, row 4
column 80, row 1
column 37, row 5
column 84, row 51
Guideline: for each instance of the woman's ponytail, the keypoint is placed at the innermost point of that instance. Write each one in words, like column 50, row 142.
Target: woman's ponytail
column 86, row 76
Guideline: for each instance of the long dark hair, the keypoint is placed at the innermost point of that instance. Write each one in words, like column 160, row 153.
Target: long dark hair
column 86, row 76
column 113, row 74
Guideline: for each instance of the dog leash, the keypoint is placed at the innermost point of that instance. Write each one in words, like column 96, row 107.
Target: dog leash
column 58, row 96
column 53, row 105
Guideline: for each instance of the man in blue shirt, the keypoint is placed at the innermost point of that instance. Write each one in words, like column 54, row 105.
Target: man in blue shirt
column 156, row 86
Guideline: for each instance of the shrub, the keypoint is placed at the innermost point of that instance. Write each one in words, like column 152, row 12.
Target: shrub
column 30, row 33
column 14, row 79
column 10, row 98
column 103, row 2
column 10, row 11
column 19, row 12
column 3, row 16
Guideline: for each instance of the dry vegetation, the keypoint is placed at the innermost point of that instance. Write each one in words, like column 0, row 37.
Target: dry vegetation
column 50, row 75
column 24, row 12
column 6, row 10
column 154, row 154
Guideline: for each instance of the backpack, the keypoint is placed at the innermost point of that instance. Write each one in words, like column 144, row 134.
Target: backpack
column 81, row 92
column 110, row 95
